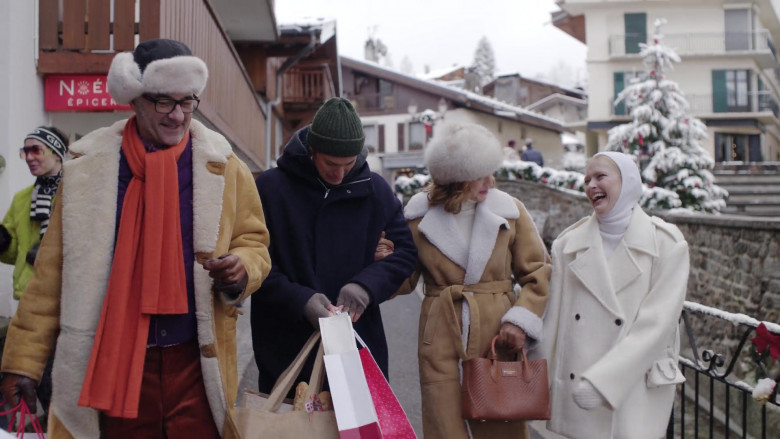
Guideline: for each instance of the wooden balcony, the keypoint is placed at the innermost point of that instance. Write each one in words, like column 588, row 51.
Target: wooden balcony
column 304, row 89
column 82, row 36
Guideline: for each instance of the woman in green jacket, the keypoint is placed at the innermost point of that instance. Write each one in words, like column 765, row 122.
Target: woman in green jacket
column 27, row 218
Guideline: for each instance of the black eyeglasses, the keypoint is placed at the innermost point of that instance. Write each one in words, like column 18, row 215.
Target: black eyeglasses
column 167, row 105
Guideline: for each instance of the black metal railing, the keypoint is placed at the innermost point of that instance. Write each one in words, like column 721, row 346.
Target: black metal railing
column 716, row 400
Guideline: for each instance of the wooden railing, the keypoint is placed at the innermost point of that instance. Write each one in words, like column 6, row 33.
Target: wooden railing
column 308, row 85
column 87, row 36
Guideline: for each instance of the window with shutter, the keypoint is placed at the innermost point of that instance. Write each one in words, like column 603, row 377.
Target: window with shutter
column 401, row 137
column 381, row 138
column 619, row 109
column 636, row 31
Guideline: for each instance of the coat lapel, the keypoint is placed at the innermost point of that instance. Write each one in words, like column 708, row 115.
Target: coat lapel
column 590, row 267
column 639, row 238
column 440, row 228
column 490, row 216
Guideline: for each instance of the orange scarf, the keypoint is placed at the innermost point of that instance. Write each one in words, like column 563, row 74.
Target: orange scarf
column 147, row 277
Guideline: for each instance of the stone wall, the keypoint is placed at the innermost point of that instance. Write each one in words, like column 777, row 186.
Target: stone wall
column 735, row 260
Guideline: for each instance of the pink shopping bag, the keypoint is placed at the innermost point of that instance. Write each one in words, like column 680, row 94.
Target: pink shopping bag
column 392, row 417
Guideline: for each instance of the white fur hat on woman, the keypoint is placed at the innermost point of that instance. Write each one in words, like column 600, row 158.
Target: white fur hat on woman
column 461, row 152
column 156, row 67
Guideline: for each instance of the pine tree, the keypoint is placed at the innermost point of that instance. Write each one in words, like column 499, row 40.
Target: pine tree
column 665, row 138
column 484, row 61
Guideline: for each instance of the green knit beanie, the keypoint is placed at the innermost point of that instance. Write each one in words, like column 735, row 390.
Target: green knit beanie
column 336, row 129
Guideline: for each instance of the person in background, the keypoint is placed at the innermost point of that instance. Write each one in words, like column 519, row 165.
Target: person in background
column 156, row 237
column 611, row 327
column 530, row 154
column 338, row 239
column 474, row 242
column 26, row 220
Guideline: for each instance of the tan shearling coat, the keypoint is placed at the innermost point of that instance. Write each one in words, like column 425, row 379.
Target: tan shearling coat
column 504, row 243
column 63, row 302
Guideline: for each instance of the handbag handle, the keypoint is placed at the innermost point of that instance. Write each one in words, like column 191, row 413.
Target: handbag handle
column 286, row 380
column 491, row 355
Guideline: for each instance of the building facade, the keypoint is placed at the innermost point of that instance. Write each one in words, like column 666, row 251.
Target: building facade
column 400, row 114
column 729, row 70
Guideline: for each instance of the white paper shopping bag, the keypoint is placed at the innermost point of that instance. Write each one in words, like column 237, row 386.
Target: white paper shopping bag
column 355, row 413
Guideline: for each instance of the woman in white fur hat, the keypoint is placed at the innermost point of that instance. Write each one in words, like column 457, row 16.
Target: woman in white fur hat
column 610, row 330
column 474, row 242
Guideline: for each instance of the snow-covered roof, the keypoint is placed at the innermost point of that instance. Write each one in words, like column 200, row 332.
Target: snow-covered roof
column 459, row 96
column 554, row 98
column 543, row 82
column 324, row 26
column 438, row 73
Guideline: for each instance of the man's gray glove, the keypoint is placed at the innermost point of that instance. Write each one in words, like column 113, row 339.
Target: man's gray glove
column 353, row 299
column 317, row 306
column 15, row 386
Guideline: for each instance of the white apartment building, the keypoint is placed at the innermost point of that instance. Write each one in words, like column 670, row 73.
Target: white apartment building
column 729, row 70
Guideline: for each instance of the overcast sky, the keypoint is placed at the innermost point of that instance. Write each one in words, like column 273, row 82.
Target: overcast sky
column 442, row 33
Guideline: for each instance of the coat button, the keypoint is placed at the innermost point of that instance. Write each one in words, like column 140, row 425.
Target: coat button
column 576, row 316
column 618, row 322
column 349, row 191
column 163, row 332
column 571, row 375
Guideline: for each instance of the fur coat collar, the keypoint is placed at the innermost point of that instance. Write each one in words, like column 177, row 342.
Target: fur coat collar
column 439, row 227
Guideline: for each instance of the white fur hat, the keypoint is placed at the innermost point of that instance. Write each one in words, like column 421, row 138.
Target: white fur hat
column 461, row 152
column 156, row 67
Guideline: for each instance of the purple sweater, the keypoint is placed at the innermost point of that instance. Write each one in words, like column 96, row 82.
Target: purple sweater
column 168, row 330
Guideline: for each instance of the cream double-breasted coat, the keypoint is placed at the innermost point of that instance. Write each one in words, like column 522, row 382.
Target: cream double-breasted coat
column 610, row 322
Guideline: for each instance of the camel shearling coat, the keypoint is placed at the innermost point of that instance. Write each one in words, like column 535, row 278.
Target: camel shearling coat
column 504, row 243
column 610, row 322
column 62, row 304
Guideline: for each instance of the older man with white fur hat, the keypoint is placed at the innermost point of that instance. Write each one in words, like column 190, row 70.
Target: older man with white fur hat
column 158, row 237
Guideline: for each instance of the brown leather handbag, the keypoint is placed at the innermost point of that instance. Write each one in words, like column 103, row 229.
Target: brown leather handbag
column 495, row 390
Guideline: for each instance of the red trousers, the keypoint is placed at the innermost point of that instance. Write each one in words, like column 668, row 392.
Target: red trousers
column 173, row 399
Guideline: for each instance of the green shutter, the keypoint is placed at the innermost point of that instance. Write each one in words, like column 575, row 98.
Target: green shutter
column 719, row 96
column 636, row 31
column 619, row 109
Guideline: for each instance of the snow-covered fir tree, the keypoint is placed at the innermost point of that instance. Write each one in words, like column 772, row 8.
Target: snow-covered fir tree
column 484, row 61
column 665, row 137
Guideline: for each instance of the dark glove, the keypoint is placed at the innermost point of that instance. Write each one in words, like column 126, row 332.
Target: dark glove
column 5, row 238
column 511, row 337
column 231, row 291
column 13, row 386
column 33, row 253
column 317, row 306
column 354, row 300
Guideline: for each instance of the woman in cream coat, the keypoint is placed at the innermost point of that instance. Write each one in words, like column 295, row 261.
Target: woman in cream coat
column 473, row 242
column 611, row 326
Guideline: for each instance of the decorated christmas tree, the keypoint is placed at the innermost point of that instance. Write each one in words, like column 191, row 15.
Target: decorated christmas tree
column 665, row 138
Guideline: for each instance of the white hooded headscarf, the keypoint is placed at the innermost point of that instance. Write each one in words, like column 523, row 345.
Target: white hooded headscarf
column 614, row 223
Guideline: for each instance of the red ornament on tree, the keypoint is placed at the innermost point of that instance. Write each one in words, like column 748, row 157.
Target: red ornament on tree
column 641, row 140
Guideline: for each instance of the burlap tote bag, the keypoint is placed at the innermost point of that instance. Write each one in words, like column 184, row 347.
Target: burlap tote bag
column 276, row 418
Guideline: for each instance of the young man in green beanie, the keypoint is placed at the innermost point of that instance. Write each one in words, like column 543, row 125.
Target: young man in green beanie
column 326, row 211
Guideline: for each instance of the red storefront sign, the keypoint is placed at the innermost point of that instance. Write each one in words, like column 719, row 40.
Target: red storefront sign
column 78, row 93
